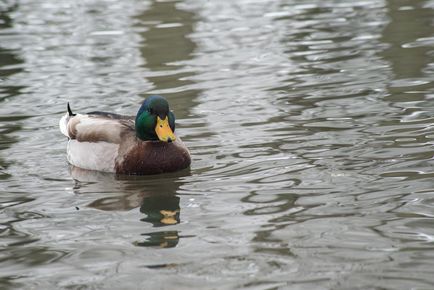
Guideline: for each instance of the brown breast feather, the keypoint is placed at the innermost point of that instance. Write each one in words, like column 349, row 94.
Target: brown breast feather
column 151, row 157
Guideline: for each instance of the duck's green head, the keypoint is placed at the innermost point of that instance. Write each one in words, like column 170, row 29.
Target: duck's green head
column 154, row 120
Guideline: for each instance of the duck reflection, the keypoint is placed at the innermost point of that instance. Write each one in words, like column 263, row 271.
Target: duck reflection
column 161, row 210
column 163, row 239
column 154, row 195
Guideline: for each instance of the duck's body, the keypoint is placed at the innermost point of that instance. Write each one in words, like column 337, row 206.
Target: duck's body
column 114, row 143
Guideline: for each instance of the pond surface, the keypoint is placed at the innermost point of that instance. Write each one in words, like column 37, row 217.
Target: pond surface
column 310, row 125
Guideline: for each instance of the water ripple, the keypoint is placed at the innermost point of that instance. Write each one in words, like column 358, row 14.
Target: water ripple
column 309, row 126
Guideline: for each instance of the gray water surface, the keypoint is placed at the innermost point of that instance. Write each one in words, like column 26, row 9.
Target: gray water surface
column 310, row 125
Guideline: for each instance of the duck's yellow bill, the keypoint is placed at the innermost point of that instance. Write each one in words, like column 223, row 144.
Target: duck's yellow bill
column 163, row 130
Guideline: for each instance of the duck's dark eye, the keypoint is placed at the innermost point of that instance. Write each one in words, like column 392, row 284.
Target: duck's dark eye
column 151, row 111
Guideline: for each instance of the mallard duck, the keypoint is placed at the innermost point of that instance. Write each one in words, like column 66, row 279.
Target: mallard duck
column 144, row 144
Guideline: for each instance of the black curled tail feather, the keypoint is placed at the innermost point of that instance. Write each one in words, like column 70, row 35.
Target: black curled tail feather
column 70, row 111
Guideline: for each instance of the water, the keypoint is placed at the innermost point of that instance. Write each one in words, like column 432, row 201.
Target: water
column 309, row 125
